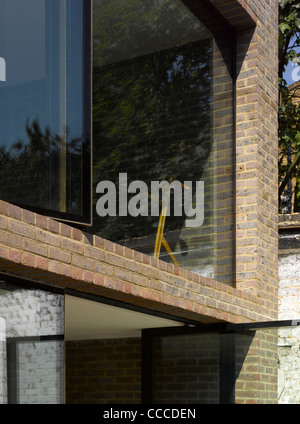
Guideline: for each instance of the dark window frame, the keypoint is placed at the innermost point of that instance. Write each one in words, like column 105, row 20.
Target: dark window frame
column 226, row 358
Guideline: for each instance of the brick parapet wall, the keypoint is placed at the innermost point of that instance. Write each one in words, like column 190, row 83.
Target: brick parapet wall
column 41, row 249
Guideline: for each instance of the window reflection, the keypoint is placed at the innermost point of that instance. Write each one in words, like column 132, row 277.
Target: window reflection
column 42, row 132
column 163, row 111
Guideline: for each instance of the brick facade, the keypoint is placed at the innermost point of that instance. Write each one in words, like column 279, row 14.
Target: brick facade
column 41, row 249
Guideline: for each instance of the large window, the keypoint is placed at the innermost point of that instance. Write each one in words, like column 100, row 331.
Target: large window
column 163, row 114
column 44, row 106
column 163, row 126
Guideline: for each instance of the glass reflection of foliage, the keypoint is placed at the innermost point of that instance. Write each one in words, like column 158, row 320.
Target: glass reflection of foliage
column 152, row 120
column 29, row 170
column 124, row 30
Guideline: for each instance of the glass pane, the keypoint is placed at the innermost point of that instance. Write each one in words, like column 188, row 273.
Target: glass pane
column 31, row 345
column 163, row 112
column 39, row 372
column 187, row 369
column 42, row 131
column 259, row 366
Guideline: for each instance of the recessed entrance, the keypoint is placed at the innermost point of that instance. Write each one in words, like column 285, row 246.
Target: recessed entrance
column 104, row 351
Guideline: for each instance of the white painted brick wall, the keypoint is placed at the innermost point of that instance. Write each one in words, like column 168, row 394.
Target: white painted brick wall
column 41, row 372
column 289, row 339
column 25, row 313
column 3, row 372
column 32, row 313
column 289, row 286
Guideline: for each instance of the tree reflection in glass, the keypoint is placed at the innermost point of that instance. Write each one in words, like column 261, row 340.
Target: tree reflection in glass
column 152, row 118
